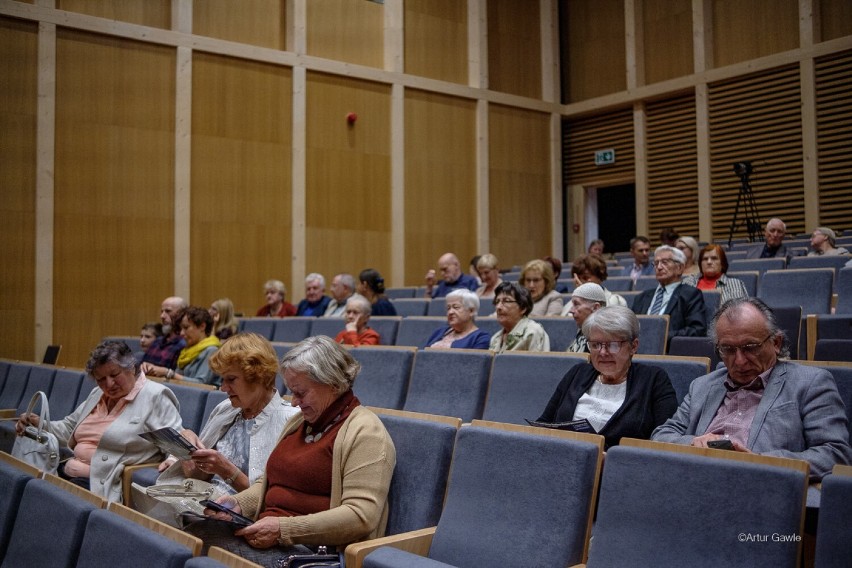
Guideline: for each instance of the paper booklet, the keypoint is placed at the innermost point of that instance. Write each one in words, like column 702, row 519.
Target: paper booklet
column 171, row 442
column 581, row 425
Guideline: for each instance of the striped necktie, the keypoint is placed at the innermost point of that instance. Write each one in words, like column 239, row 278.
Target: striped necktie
column 658, row 301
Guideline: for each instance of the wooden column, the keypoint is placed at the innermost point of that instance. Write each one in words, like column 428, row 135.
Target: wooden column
column 808, row 35
column 702, row 55
column 182, row 22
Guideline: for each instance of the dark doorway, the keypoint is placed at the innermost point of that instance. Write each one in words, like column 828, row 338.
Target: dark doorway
column 617, row 216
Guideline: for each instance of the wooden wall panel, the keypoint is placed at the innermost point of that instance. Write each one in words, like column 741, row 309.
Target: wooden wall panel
column 835, row 18
column 748, row 29
column 514, row 47
column 114, row 196
column 436, row 39
column 757, row 118
column 241, row 180
column 667, row 31
column 593, row 48
column 154, row 13
column 18, row 68
column 255, row 22
column 440, row 181
column 519, row 192
column 584, row 136
column 348, row 204
column 347, row 31
column 834, row 140
column 672, row 166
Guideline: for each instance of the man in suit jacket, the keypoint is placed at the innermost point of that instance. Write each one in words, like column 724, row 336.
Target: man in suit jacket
column 773, row 247
column 761, row 403
column 683, row 304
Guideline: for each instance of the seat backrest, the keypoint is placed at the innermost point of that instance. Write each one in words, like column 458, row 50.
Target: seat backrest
column 833, row 350
column 16, row 383
column 221, row 557
column 645, row 283
column 619, row 284
column 835, row 262
column 523, row 382
column 328, row 326
column 414, row 331
column 510, row 501
column 560, row 330
column 761, row 265
column 489, row 325
column 132, row 341
column 385, row 374
column 437, row 307
column 808, row 288
column 264, row 327
column 86, row 388
column 653, row 334
column 411, row 306
column 681, row 370
column 49, row 528
column 63, row 395
column 749, row 278
column 13, row 481
column 712, row 301
column 193, row 401
column 4, row 371
column 694, row 347
column 424, row 449
column 292, row 329
column 40, row 379
column 656, row 506
column 449, row 382
column 844, row 291
column 214, row 398
column 833, row 545
column 790, row 320
column 399, row 293
column 629, row 297
column 140, row 547
column 386, row 327
column 842, row 373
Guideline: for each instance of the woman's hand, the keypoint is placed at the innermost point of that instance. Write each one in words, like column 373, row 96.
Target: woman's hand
column 211, row 462
column 263, row 534
column 153, row 370
column 25, row 420
column 165, row 464
column 228, row 502
column 352, row 326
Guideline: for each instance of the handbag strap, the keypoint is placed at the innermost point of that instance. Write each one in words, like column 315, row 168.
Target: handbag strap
column 44, row 413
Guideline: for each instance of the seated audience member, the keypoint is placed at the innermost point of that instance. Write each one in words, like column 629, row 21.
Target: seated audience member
column 164, row 350
column 713, row 276
column 668, row 236
column 342, row 288
column 224, row 322
column 618, row 397
column 327, row 480
column 473, row 271
column 452, row 278
column 149, row 333
column 596, row 247
column 592, row 268
column 760, row 401
column 689, row 247
column 683, row 304
column 357, row 316
column 585, row 300
column 513, row 304
column 240, row 432
column 276, row 306
column 461, row 331
column 104, row 430
column 822, row 243
column 556, row 266
column 196, row 326
column 640, row 248
column 537, row 277
column 489, row 273
column 315, row 302
column 773, row 235
column 371, row 285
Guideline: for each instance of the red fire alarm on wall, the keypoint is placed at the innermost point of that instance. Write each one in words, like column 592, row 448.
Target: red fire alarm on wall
column 351, row 118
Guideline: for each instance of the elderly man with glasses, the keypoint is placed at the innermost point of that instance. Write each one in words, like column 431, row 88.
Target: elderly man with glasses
column 683, row 304
column 760, row 402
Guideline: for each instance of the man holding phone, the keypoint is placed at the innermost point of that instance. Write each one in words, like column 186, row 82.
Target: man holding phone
column 761, row 403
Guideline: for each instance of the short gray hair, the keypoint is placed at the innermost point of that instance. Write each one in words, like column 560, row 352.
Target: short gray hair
column 619, row 321
column 468, row 299
column 276, row 285
column 366, row 306
column 677, row 254
column 732, row 309
column 347, row 280
column 324, row 361
column 316, row 276
column 109, row 351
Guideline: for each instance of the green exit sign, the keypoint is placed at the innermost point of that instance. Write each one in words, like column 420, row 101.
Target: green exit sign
column 604, row 157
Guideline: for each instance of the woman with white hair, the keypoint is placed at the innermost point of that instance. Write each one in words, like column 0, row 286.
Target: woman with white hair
column 823, row 243
column 276, row 305
column 357, row 315
column 461, row 331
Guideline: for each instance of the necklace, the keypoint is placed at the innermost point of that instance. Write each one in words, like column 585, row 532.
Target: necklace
column 311, row 438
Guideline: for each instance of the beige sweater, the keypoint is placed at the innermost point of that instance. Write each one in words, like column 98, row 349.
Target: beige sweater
column 362, row 463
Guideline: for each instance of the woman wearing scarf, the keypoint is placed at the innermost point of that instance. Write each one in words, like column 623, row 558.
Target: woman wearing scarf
column 196, row 325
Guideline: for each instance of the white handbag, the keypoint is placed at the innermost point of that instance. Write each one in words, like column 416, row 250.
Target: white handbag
column 37, row 446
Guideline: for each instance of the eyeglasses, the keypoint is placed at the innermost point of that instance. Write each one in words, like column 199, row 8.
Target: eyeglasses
column 611, row 346
column 664, row 261
column 748, row 349
column 507, row 301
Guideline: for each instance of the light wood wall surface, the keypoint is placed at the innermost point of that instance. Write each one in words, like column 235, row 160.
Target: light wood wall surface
column 154, row 13
column 346, row 31
column 666, row 39
column 834, row 19
column 255, row 22
column 514, row 47
column 436, row 39
column 753, row 28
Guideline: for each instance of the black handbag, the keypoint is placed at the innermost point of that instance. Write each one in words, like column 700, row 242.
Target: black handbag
column 320, row 558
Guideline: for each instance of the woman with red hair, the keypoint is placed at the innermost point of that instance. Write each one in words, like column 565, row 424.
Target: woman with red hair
column 713, row 264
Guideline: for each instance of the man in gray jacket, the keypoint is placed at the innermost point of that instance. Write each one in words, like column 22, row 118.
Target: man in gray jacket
column 761, row 403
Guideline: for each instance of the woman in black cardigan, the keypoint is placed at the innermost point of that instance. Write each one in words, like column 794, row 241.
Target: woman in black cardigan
column 619, row 398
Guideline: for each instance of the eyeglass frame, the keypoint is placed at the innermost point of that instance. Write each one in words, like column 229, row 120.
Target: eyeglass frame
column 509, row 301
column 748, row 350
column 609, row 348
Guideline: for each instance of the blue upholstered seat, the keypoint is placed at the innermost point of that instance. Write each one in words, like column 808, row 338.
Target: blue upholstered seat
column 63, row 395
column 833, row 545
column 681, row 371
column 761, row 265
column 204, row 562
column 694, row 347
column 844, row 291
column 449, row 382
column 386, row 327
column 414, row 331
column 749, row 278
column 618, row 284
column 833, row 350
column 292, row 329
column 522, row 384
column 653, row 334
column 399, row 293
column 13, row 481
column 328, row 326
column 192, row 402
column 40, row 378
column 810, row 289
column 264, row 327
column 514, row 499
column 49, row 528
column 668, row 509
column 411, row 306
column 16, row 382
column 437, row 307
column 213, row 399
column 385, row 373
column 560, row 330
column 645, row 283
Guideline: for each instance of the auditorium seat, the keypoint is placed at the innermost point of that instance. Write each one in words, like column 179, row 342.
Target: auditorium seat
column 560, row 330
column 844, row 291
column 385, row 373
column 808, row 288
column 833, row 545
column 618, row 284
column 449, row 382
column 790, row 320
column 13, row 480
column 645, row 283
column 437, row 307
column 193, row 400
column 16, row 382
column 132, row 341
column 833, row 350
column 522, row 384
column 760, row 265
column 681, row 370
column 411, row 306
column 414, row 331
column 712, row 301
column 516, row 497
column 653, row 334
column 66, row 389
column 264, row 327
column 834, row 262
column 399, row 293
column 292, row 329
column 694, row 347
column 749, row 278
column 825, row 326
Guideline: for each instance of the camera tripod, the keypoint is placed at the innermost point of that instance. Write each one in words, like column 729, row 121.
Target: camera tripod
column 751, row 218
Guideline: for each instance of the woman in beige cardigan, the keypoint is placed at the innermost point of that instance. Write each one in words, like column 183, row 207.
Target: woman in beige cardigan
column 327, row 480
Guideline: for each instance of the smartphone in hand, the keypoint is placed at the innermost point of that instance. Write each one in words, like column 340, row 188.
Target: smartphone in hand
column 720, row 444
column 235, row 517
